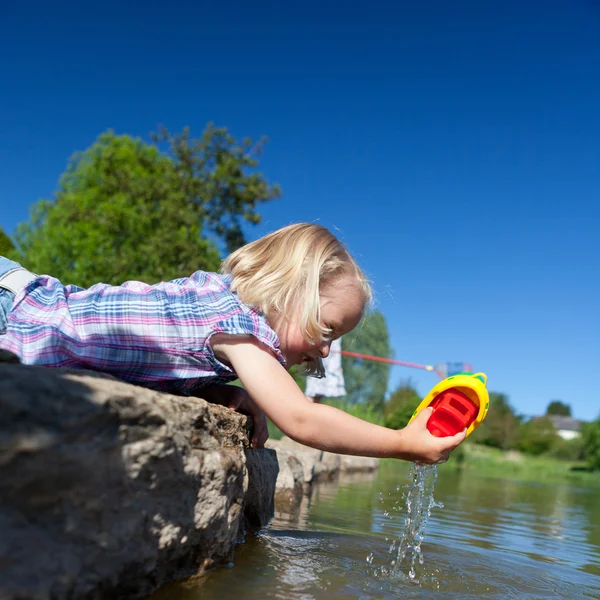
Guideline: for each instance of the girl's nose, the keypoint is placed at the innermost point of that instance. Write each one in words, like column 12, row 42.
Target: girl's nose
column 324, row 350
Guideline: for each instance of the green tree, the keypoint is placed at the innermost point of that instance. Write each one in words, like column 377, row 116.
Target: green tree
column 537, row 436
column 500, row 429
column 556, row 407
column 6, row 245
column 401, row 405
column 124, row 209
column 366, row 380
column 591, row 443
column 570, row 450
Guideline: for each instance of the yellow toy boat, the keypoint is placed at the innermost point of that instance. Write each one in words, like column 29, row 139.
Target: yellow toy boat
column 459, row 401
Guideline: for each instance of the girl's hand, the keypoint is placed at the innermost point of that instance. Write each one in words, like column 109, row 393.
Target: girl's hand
column 241, row 402
column 418, row 445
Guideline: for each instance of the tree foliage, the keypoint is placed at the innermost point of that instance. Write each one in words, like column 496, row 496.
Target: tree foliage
column 6, row 245
column 500, row 429
column 401, row 405
column 591, row 443
column 366, row 381
column 570, row 450
column 537, row 436
column 124, row 209
column 556, row 407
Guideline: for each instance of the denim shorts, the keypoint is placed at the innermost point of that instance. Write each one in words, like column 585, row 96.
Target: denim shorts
column 6, row 297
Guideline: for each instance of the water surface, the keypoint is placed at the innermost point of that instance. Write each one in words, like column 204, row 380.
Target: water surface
column 492, row 539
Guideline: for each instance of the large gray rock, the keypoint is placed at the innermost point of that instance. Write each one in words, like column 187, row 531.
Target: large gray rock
column 107, row 490
column 317, row 466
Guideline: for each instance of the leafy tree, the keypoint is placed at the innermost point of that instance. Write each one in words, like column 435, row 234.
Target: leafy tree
column 401, row 405
column 537, row 436
column 366, row 381
column 571, row 450
column 6, row 245
column 556, row 407
column 591, row 443
column 124, row 209
column 501, row 426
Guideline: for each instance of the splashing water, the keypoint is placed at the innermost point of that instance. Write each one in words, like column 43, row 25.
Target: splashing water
column 418, row 503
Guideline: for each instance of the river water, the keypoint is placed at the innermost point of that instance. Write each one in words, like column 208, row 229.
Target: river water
column 493, row 538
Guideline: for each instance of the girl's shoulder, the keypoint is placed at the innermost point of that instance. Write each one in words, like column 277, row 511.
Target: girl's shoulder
column 213, row 286
column 213, row 281
column 213, row 290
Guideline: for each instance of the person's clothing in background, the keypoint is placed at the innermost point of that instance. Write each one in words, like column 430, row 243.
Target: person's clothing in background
column 332, row 385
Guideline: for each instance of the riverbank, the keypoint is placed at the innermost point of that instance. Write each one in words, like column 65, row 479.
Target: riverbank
column 511, row 464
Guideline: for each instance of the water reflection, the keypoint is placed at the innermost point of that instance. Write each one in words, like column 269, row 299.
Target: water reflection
column 493, row 539
column 543, row 522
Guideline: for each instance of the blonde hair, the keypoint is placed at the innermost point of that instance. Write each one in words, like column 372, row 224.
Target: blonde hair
column 283, row 273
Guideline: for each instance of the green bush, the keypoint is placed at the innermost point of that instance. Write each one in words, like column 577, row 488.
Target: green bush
column 501, row 426
column 6, row 245
column 571, row 450
column 591, row 444
column 401, row 406
column 538, row 436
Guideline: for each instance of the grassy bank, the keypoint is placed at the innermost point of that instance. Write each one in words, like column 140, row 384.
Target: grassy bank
column 492, row 462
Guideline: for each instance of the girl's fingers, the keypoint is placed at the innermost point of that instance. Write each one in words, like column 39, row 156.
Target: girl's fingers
column 422, row 418
column 455, row 440
column 260, row 434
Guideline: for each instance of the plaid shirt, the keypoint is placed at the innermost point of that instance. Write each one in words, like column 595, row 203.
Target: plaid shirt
column 157, row 336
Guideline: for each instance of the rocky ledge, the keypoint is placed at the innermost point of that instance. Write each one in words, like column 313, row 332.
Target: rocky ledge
column 108, row 490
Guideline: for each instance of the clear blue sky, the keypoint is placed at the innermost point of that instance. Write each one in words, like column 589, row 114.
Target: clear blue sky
column 455, row 145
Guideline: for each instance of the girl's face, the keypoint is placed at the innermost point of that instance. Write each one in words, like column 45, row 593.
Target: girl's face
column 342, row 306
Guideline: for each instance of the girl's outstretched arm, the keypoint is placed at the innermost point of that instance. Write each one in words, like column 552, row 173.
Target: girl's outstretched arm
column 321, row 426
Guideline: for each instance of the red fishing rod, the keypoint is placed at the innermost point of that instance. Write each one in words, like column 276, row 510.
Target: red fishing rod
column 443, row 370
column 389, row 361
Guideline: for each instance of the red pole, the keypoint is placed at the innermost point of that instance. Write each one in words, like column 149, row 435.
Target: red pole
column 390, row 361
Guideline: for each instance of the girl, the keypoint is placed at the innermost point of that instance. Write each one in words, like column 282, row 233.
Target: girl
column 279, row 301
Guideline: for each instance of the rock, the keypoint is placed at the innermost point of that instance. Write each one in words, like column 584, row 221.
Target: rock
column 358, row 464
column 290, row 480
column 108, row 490
column 317, row 465
column 262, row 468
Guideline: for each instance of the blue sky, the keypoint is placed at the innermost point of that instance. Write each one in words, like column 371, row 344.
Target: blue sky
column 455, row 146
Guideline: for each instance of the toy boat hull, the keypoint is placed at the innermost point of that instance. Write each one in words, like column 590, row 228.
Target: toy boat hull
column 459, row 401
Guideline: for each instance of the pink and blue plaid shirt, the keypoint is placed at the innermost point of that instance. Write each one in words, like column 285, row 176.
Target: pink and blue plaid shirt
column 157, row 336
